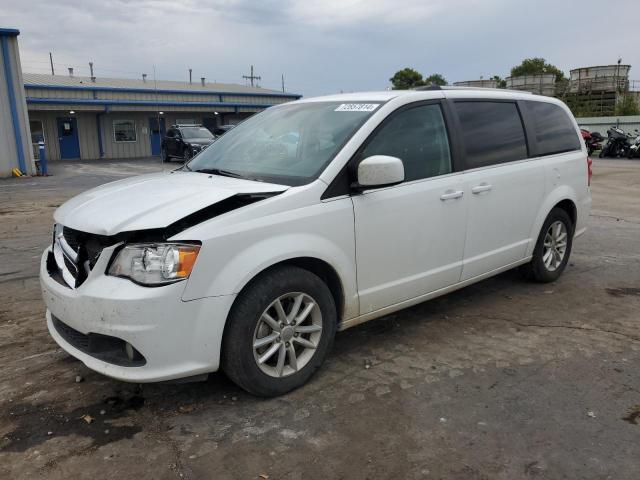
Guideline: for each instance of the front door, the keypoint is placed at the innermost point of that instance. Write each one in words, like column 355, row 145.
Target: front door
column 156, row 134
column 68, row 138
column 410, row 237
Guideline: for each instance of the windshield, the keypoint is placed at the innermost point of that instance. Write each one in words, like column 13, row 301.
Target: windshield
column 289, row 144
column 195, row 132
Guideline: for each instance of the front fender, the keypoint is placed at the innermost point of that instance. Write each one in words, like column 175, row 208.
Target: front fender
column 235, row 255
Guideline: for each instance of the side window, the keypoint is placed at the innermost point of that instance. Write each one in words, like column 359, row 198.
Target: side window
column 418, row 137
column 492, row 132
column 554, row 130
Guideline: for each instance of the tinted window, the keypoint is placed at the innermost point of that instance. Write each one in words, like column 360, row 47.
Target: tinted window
column 419, row 138
column 554, row 131
column 492, row 132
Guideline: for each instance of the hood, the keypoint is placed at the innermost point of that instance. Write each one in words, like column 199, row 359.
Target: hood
column 151, row 201
column 200, row 141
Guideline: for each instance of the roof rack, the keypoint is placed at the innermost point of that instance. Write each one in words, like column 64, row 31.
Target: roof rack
column 186, row 125
column 456, row 87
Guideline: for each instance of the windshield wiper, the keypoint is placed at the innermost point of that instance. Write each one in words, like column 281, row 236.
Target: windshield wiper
column 218, row 171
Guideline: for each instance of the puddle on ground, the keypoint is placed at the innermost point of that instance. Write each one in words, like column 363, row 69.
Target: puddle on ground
column 38, row 423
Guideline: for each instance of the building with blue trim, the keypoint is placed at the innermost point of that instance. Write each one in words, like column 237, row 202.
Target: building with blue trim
column 93, row 118
column 15, row 148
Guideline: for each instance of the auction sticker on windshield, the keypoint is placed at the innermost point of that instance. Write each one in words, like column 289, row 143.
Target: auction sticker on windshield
column 357, row 107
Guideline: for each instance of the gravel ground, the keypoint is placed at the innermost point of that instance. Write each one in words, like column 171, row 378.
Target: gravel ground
column 502, row 380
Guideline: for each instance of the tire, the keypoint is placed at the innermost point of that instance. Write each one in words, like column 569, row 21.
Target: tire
column 247, row 324
column 164, row 155
column 186, row 154
column 539, row 269
column 603, row 152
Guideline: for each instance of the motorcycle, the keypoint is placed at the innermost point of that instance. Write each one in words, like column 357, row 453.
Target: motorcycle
column 593, row 140
column 617, row 143
column 634, row 149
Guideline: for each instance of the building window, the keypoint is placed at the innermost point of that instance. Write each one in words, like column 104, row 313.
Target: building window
column 124, row 131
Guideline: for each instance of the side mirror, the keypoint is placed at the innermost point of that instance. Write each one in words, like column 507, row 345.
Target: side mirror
column 379, row 171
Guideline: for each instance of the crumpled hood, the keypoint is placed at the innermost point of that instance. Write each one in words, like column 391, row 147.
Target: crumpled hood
column 151, row 201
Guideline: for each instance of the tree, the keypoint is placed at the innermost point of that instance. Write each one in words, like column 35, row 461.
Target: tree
column 435, row 79
column 406, row 78
column 500, row 82
column 536, row 66
column 627, row 105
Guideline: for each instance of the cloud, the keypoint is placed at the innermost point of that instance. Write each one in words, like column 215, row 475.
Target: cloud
column 321, row 46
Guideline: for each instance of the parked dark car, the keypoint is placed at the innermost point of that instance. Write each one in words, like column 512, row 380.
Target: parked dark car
column 185, row 141
column 222, row 129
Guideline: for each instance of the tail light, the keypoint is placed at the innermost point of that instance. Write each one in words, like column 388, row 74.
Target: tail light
column 589, row 170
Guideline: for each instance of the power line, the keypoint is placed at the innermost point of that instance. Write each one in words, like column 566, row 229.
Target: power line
column 252, row 77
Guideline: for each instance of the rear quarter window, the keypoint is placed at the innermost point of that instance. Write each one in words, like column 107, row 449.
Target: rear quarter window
column 553, row 129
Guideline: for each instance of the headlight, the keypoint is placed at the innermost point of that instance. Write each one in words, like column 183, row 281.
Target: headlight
column 155, row 263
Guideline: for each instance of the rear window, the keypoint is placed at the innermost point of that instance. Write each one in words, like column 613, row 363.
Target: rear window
column 554, row 130
column 492, row 132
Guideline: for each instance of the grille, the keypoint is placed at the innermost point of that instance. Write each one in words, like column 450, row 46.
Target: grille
column 75, row 254
column 74, row 337
column 103, row 347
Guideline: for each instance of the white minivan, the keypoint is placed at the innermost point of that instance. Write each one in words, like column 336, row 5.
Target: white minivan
column 308, row 218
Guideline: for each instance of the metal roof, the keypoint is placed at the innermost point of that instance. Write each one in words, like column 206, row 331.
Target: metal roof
column 9, row 32
column 65, row 81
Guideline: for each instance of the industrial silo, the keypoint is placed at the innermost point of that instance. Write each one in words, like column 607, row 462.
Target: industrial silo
column 477, row 84
column 600, row 78
column 543, row 84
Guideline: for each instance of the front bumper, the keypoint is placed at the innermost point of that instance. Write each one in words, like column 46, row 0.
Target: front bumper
column 176, row 338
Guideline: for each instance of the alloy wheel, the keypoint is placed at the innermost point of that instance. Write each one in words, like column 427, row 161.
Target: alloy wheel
column 555, row 245
column 287, row 334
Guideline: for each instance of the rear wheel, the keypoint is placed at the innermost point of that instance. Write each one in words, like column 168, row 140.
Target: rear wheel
column 279, row 331
column 186, row 153
column 553, row 248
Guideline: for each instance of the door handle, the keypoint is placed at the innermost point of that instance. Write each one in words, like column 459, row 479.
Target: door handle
column 483, row 187
column 451, row 195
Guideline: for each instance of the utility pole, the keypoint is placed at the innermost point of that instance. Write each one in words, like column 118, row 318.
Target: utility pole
column 91, row 68
column 51, row 62
column 251, row 77
column 283, row 83
column 190, row 76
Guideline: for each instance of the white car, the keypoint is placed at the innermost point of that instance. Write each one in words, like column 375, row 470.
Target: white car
column 250, row 257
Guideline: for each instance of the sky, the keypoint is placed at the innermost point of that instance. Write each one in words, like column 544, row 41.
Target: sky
column 320, row 46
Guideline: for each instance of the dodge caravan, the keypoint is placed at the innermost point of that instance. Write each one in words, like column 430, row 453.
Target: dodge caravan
column 309, row 218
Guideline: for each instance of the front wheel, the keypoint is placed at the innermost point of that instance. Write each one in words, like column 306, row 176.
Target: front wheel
column 164, row 155
column 552, row 250
column 279, row 331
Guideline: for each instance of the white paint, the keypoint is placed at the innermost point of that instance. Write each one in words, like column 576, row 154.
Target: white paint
column 391, row 247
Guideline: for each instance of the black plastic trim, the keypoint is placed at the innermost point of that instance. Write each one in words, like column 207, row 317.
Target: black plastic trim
column 103, row 347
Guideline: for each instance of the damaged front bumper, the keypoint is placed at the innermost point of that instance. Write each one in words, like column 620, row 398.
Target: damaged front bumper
column 134, row 333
